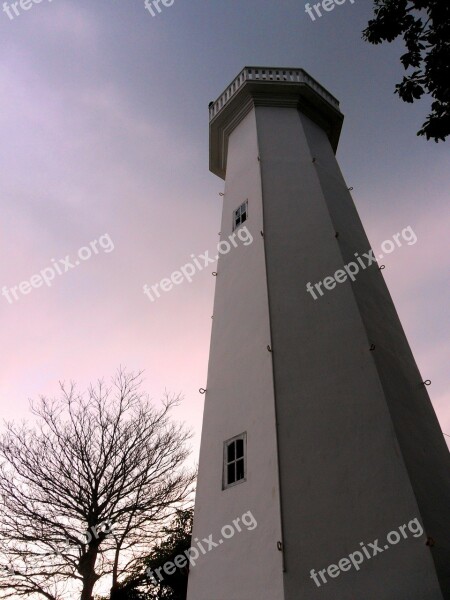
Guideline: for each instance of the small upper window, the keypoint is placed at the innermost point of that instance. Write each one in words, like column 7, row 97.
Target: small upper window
column 234, row 460
column 240, row 215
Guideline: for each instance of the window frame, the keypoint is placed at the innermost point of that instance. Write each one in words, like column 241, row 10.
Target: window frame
column 225, row 463
column 239, row 209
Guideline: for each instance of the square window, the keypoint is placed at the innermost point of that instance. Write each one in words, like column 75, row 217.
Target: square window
column 234, row 460
column 240, row 215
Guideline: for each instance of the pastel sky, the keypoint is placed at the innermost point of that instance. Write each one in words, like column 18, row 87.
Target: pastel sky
column 104, row 128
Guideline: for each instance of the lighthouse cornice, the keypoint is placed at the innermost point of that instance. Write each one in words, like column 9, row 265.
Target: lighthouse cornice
column 265, row 86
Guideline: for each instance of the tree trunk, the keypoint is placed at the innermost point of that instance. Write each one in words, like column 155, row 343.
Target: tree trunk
column 88, row 587
column 86, row 568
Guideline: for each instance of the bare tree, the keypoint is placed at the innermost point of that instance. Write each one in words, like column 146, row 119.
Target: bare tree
column 87, row 489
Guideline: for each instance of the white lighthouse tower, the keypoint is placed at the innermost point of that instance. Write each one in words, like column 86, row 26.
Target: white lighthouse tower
column 317, row 421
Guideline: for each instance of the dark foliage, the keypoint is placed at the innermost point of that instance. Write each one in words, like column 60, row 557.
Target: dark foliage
column 140, row 586
column 425, row 28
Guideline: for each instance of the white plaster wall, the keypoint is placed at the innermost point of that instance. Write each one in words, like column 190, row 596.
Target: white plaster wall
column 343, row 476
column 240, row 398
column 418, row 432
column 342, row 461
